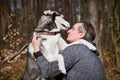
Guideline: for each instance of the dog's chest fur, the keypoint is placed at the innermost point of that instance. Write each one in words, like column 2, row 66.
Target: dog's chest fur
column 49, row 46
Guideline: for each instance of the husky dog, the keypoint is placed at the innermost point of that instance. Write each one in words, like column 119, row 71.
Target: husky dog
column 51, row 45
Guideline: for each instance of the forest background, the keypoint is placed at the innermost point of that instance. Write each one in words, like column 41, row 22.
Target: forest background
column 18, row 18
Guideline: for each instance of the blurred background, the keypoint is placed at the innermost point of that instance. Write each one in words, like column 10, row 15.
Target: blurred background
column 18, row 18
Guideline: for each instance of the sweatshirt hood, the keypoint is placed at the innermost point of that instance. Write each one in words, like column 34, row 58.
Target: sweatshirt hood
column 91, row 46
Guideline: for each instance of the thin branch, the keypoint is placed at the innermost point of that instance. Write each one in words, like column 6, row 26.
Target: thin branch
column 15, row 55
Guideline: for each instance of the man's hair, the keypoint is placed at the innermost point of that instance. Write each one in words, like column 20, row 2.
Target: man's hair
column 89, row 29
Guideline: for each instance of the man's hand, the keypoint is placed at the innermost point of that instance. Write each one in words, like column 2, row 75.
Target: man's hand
column 36, row 43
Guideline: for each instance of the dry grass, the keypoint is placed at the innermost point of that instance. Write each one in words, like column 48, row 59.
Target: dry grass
column 109, row 60
column 14, row 69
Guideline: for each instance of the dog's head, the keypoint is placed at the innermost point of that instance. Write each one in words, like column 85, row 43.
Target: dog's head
column 52, row 21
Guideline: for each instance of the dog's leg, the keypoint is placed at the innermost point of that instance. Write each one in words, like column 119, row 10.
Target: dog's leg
column 62, row 44
column 32, row 71
column 61, row 64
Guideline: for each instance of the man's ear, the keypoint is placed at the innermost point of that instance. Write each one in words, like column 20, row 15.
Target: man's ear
column 82, row 35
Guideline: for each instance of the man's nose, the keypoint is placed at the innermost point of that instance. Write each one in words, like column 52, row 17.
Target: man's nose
column 68, row 31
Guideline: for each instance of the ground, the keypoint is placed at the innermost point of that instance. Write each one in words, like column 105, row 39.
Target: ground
column 14, row 69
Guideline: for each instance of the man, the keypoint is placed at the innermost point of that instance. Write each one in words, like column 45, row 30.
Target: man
column 81, row 62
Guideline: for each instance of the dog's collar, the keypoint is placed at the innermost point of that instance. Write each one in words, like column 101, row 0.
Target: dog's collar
column 48, row 33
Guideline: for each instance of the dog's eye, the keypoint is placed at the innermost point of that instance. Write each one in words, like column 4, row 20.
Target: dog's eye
column 63, row 25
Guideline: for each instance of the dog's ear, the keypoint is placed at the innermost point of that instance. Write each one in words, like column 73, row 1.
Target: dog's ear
column 53, row 16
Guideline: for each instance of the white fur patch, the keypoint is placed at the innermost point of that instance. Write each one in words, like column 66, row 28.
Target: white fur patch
column 51, row 45
column 86, row 43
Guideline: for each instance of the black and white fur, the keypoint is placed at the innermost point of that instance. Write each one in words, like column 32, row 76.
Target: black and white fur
column 51, row 45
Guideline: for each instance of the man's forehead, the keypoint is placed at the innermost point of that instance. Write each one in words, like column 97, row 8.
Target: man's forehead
column 78, row 25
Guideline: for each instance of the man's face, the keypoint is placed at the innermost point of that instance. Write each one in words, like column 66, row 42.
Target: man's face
column 74, row 34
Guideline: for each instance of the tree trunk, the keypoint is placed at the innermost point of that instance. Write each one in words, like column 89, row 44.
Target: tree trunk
column 93, row 16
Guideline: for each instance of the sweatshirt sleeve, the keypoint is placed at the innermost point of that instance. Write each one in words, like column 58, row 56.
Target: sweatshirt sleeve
column 51, row 69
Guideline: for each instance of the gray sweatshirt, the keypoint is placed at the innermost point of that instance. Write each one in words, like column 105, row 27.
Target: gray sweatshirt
column 81, row 63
